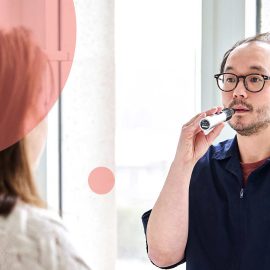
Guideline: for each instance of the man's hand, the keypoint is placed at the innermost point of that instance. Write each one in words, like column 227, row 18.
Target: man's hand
column 193, row 143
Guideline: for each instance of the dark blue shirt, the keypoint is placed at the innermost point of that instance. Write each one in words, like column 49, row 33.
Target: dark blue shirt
column 229, row 224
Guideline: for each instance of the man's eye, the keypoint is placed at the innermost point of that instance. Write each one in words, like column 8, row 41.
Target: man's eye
column 230, row 80
column 255, row 79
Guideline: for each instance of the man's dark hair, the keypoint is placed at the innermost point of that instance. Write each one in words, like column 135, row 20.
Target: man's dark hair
column 264, row 37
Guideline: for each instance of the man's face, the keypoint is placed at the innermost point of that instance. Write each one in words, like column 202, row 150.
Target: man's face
column 252, row 109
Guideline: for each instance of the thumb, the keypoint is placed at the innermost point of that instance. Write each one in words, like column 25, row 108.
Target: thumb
column 214, row 133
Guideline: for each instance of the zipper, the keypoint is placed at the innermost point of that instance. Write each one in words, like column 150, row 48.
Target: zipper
column 242, row 193
column 242, row 226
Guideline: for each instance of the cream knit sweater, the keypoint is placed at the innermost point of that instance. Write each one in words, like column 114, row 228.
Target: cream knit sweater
column 35, row 239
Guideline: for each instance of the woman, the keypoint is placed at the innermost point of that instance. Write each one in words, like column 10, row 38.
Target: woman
column 31, row 236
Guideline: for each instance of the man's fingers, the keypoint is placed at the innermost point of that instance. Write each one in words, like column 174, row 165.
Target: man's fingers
column 212, row 111
column 199, row 115
column 214, row 133
column 219, row 109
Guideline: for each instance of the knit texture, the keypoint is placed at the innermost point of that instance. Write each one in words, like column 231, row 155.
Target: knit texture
column 35, row 239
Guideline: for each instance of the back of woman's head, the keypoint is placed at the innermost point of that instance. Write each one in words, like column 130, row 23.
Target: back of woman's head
column 22, row 106
column 16, row 180
column 23, row 99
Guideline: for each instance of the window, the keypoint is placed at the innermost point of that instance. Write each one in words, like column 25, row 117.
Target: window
column 157, row 91
column 263, row 16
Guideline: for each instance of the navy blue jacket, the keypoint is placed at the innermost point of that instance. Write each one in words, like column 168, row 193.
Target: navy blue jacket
column 229, row 224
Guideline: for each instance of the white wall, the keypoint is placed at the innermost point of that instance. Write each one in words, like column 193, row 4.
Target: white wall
column 88, row 133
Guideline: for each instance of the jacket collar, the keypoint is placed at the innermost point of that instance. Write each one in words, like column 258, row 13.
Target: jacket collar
column 229, row 150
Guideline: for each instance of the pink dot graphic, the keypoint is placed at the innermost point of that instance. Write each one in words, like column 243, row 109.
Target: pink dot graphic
column 101, row 180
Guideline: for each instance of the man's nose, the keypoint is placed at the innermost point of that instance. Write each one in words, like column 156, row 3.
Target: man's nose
column 240, row 90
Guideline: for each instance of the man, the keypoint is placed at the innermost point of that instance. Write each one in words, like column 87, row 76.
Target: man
column 214, row 209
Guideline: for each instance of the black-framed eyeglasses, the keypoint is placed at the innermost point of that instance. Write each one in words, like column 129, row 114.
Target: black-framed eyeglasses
column 253, row 82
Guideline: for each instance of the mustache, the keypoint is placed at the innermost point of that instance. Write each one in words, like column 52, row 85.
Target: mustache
column 240, row 102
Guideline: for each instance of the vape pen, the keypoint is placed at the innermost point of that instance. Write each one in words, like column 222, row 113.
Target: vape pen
column 211, row 121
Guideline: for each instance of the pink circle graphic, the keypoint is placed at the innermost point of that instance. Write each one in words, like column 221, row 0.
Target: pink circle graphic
column 37, row 44
column 101, row 180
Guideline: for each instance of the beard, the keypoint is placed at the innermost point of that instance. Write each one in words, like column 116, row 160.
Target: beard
column 262, row 121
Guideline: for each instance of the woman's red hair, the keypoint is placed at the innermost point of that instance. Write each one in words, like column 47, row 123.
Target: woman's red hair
column 23, row 104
